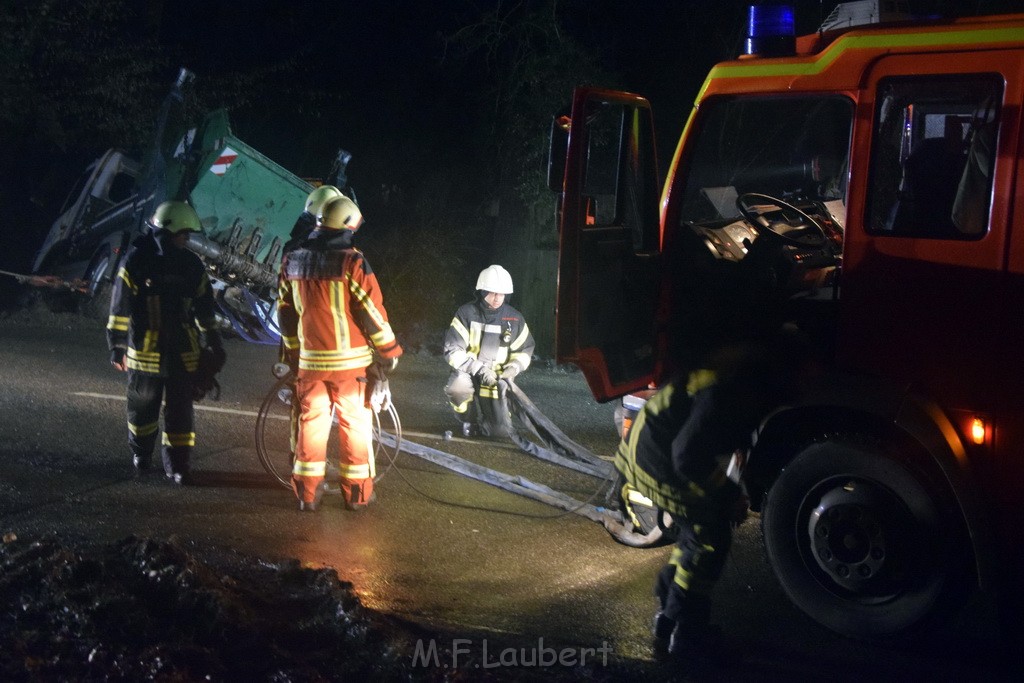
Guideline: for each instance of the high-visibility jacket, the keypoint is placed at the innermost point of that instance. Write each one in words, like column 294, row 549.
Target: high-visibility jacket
column 160, row 302
column 671, row 452
column 479, row 336
column 330, row 307
column 675, row 451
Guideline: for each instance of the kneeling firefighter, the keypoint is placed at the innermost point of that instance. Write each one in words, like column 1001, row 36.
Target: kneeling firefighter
column 488, row 340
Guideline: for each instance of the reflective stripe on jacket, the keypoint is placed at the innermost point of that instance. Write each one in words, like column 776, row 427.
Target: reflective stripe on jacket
column 160, row 301
column 330, row 306
column 480, row 336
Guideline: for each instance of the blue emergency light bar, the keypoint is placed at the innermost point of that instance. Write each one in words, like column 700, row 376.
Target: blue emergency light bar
column 771, row 30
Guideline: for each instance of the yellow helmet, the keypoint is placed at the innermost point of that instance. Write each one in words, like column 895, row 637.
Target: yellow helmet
column 175, row 217
column 320, row 196
column 494, row 279
column 340, row 213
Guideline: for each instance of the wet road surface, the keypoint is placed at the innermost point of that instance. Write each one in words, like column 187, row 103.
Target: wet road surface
column 438, row 550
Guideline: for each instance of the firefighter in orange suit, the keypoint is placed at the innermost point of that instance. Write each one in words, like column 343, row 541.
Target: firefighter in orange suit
column 334, row 334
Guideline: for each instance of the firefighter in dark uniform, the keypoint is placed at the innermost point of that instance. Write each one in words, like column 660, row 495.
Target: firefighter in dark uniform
column 488, row 340
column 306, row 222
column 676, row 455
column 161, row 309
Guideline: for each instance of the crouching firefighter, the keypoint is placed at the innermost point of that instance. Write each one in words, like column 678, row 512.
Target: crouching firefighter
column 161, row 308
column 334, row 334
column 675, row 460
column 488, row 340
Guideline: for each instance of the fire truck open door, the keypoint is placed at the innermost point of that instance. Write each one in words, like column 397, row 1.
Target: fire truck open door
column 609, row 242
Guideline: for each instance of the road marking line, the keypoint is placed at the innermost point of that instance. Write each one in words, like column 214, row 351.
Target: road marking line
column 231, row 411
column 250, row 413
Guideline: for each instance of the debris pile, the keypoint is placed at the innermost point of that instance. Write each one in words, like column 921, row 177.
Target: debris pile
column 147, row 609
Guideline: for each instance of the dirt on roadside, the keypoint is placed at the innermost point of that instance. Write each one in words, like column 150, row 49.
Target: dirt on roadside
column 151, row 609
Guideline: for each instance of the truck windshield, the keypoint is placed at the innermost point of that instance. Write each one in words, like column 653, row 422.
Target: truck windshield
column 793, row 147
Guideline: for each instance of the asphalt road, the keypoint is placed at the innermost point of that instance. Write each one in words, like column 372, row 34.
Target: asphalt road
column 438, row 550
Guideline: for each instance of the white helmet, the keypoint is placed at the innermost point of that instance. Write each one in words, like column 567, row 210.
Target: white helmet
column 494, row 279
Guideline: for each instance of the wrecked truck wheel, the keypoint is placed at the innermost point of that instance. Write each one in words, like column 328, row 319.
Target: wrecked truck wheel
column 96, row 305
column 860, row 543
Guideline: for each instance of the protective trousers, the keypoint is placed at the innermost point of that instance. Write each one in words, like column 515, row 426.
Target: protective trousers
column 683, row 586
column 485, row 406
column 347, row 395
column 145, row 393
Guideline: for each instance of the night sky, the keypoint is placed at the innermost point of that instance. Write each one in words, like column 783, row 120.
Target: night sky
column 388, row 81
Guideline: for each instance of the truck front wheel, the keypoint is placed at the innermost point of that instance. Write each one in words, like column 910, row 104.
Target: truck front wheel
column 97, row 303
column 859, row 542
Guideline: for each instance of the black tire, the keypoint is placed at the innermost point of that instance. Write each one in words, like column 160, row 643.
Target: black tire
column 96, row 305
column 273, row 438
column 860, row 543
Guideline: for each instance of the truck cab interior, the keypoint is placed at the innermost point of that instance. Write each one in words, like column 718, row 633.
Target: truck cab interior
column 759, row 231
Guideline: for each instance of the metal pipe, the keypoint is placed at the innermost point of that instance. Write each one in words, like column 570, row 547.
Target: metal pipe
column 240, row 266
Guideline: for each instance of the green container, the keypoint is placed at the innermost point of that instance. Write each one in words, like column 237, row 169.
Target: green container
column 236, row 185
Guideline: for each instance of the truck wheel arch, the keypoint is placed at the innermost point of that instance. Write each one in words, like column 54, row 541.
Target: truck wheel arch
column 917, row 434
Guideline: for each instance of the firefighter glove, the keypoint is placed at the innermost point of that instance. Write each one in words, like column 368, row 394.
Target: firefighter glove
column 204, row 379
column 386, row 365
column 291, row 359
column 117, row 358
column 488, row 377
column 217, row 358
column 510, row 371
column 213, row 340
column 378, row 389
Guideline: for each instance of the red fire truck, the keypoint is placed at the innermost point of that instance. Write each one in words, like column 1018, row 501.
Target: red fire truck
column 862, row 183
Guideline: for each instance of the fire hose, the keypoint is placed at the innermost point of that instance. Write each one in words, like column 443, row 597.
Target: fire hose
column 49, row 281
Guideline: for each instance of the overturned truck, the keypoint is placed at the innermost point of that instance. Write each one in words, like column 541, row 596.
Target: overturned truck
column 247, row 203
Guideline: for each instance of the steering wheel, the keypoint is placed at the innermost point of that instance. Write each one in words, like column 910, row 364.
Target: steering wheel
column 810, row 235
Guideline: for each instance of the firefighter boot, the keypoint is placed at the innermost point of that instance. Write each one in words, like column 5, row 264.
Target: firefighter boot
column 470, row 429
column 662, row 629
column 356, row 501
column 694, row 637
column 175, row 459
column 314, row 505
column 141, row 463
column 696, row 642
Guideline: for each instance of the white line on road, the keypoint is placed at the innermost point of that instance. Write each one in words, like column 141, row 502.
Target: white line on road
column 250, row 413
column 232, row 411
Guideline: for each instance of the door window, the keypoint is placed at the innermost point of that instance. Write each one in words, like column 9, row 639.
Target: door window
column 932, row 156
column 619, row 173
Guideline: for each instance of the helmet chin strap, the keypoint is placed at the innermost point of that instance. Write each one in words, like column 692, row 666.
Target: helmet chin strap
column 166, row 240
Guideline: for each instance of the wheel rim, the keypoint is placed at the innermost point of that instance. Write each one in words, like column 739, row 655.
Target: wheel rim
column 98, row 271
column 854, row 530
